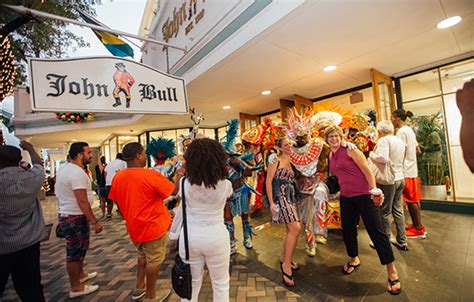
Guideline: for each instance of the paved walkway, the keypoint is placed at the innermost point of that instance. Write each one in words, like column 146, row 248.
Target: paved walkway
column 440, row 268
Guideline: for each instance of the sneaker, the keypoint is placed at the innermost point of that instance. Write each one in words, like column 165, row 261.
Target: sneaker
column 409, row 227
column 88, row 289
column 414, row 233
column 248, row 243
column 88, row 277
column 138, row 293
column 109, row 216
column 321, row 239
column 402, row 247
column 161, row 295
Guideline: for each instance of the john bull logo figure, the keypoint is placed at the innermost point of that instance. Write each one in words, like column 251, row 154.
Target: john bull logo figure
column 123, row 83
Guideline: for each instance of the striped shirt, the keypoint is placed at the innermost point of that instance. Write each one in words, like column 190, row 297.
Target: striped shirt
column 21, row 217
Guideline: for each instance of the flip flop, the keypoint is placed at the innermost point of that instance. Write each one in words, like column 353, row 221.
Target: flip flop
column 349, row 265
column 290, row 277
column 392, row 283
column 294, row 265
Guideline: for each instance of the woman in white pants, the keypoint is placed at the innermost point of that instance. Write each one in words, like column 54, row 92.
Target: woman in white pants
column 206, row 190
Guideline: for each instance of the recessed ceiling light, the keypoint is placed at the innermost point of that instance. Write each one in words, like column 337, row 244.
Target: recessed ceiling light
column 226, row 107
column 330, row 68
column 449, row 22
column 467, row 79
column 266, row 92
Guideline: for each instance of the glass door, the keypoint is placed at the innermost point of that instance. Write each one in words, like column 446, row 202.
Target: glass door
column 384, row 98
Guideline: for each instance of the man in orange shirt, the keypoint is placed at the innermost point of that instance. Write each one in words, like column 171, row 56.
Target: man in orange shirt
column 139, row 194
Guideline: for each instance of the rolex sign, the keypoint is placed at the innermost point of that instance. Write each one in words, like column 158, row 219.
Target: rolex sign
column 104, row 84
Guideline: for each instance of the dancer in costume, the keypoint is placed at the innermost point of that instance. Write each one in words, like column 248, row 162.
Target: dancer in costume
column 162, row 151
column 312, row 205
column 238, row 203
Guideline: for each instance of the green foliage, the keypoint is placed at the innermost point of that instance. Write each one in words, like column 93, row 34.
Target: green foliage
column 41, row 37
column 425, row 127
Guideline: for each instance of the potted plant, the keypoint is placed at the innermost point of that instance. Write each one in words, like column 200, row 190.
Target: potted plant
column 433, row 160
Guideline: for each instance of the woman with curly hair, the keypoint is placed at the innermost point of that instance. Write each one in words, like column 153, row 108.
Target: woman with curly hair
column 206, row 190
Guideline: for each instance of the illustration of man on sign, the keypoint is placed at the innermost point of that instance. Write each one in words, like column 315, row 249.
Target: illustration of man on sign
column 123, row 82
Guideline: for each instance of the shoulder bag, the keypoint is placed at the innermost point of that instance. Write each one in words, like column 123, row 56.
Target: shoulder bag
column 384, row 173
column 331, row 181
column 181, row 278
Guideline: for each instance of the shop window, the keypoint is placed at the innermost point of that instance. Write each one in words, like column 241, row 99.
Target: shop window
column 420, row 86
column 274, row 117
column 433, row 162
column 463, row 178
column 181, row 132
column 454, row 76
column 221, row 132
column 123, row 140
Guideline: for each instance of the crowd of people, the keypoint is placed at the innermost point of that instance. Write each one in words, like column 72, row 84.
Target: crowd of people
column 211, row 181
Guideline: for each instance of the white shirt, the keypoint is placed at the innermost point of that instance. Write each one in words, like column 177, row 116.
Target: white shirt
column 71, row 177
column 203, row 205
column 112, row 168
column 390, row 148
column 410, row 169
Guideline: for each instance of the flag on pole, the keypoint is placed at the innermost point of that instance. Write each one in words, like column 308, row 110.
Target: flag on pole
column 113, row 43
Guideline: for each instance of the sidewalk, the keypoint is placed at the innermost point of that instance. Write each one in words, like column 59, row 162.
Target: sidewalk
column 439, row 268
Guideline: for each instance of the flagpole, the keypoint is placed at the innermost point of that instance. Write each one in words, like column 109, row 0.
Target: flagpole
column 23, row 10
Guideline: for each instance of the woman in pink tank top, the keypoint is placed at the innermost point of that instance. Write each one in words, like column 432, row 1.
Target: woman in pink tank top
column 360, row 197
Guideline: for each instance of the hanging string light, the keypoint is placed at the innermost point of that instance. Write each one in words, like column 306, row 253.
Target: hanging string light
column 8, row 70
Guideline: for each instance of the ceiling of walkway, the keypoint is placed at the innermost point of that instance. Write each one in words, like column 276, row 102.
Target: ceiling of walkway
column 392, row 36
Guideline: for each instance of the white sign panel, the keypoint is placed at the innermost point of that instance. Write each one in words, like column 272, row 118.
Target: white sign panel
column 104, row 84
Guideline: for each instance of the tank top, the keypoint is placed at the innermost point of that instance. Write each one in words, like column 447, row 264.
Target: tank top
column 351, row 179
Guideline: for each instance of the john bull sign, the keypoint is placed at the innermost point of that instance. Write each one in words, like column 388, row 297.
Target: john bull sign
column 104, row 84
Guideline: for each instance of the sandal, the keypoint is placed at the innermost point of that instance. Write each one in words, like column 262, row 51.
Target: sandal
column 294, row 265
column 349, row 265
column 392, row 283
column 290, row 277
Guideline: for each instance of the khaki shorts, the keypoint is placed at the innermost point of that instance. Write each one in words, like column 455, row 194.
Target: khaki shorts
column 154, row 251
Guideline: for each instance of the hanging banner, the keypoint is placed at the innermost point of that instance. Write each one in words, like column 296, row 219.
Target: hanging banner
column 104, row 84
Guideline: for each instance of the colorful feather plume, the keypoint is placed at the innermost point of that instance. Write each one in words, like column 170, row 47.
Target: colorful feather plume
column 161, row 148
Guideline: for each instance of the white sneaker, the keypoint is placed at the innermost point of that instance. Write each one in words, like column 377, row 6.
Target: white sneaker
column 88, row 289
column 88, row 277
column 161, row 295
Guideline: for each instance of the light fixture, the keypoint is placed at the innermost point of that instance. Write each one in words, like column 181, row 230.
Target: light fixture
column 330, row 68
column 266, row 92
column 226, row 107
column 467, row 79
column 449, row 22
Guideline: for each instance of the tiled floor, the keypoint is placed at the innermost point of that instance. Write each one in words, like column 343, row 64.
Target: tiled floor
column 440, row 268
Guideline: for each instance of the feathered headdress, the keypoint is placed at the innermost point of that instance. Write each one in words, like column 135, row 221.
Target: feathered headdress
column 228, row 142
column 161, row 149
column 325, row 119
column 297, row 125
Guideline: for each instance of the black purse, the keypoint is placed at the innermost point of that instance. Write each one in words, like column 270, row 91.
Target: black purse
column 181, row 273
column 332, row 182
column 59, row 232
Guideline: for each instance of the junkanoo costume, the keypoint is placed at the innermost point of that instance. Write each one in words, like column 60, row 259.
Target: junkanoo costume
column 312, row 192
column 239, row 201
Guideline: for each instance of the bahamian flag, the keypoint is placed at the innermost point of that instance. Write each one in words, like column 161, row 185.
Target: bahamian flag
column 113, row 43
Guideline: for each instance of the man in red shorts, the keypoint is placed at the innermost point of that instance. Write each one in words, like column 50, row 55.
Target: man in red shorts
column 412, row 190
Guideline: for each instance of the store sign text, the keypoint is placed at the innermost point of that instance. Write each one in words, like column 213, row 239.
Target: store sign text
column 182, row 14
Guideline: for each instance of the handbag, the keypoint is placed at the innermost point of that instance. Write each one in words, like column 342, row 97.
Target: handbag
column 384, row 173
column 181, row 273
column 59, row 232
column 332, row 182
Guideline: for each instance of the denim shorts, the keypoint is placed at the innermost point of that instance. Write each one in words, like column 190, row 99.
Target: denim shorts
column 76, row 230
